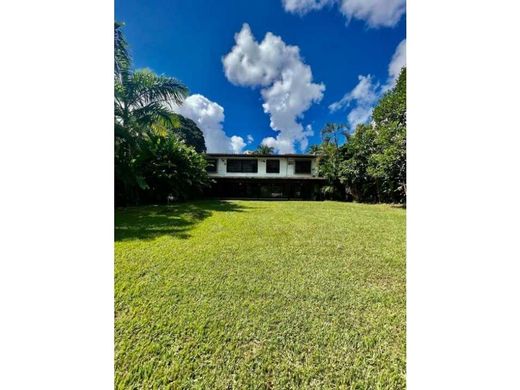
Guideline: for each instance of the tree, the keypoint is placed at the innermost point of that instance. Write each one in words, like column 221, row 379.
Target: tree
column 332, row 132
column 264, row 149
column 142, row 99
column 170, row 168
column 330, row 156
column 388, row 163
column 374, row 168
column 354, row 168
column 146, row 127
column 190, row 133
column 313, row 149
column 121, row 56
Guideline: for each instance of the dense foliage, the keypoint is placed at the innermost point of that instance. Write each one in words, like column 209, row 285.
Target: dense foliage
column 189, row 132
column 156, row 150
column 371, row 165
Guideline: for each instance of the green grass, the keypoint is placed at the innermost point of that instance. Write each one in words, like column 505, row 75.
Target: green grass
column 260, row 295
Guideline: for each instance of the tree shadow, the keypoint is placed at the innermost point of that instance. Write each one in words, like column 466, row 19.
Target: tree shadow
column 150, row 222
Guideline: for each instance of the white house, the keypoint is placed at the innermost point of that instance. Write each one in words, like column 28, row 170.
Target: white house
column 289, row 176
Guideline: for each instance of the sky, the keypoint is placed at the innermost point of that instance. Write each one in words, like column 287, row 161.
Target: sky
column 270, row 72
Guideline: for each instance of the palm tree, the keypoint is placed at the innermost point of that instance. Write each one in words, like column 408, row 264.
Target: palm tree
column 142, row 108
column 264, row 149
column 314, row 149
column 121, row 56
column 332, row 132
column 143, row 99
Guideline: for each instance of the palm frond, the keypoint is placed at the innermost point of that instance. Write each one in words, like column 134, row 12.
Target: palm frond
column 121, row 56
column 147, row 87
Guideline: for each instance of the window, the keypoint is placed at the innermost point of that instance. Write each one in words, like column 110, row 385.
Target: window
column 302, row 166
column 234, row 165
column 212, row 165
column 247, row 166
column 250, row 166
column 272, row 166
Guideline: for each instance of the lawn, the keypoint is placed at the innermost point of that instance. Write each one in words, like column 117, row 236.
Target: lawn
column 260, row 295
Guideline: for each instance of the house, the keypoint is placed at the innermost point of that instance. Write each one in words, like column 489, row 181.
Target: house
column 261, row 176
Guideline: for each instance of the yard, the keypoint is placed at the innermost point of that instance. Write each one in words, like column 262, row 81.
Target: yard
column 260, row 295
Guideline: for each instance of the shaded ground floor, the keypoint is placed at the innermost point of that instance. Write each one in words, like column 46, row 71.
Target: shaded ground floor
column 233, row 188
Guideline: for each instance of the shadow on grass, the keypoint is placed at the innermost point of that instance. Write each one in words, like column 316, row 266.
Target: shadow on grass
column 149, row 222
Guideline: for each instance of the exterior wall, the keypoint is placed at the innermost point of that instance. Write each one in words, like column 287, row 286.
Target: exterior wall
column 287, row 166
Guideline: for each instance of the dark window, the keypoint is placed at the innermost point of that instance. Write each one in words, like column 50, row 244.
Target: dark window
column 212, row 165
column 302, row 166
column 248, row 166
column 272, row 166
column 234, row 165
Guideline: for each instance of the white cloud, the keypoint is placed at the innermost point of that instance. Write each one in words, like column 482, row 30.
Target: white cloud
column 363, row 97
column 397, row 63
column 237, row 143
column 375, row 13
column 250, row 139
column 366, row 93
column 209, row 116
column 288, row 90
column 303, row 6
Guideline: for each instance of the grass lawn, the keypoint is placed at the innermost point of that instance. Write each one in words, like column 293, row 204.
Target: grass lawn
column 260, row 295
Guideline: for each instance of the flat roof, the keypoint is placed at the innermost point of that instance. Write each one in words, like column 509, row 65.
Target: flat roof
column 261, row 155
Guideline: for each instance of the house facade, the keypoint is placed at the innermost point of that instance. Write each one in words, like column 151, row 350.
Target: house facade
column 284, row 176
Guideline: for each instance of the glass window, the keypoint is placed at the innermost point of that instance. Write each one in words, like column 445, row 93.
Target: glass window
column 236, row 165
column 233, row 165
column 272, row 166
column 211, row 165
column 302, row 166
column 250, row 166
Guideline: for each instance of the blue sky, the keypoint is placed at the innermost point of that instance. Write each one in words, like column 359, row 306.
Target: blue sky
column 347, row 56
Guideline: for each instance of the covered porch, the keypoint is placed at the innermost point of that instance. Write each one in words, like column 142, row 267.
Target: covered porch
column 256, row 188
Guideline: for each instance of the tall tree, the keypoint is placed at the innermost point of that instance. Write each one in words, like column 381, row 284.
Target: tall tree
column 189, row 132
column 143, row 98
column 330, row 157
column 332, row 133
column 121, row 56
column 143, row 121
column 354, row 168
column 374, row 168
column 388, row 163
column 314, row 149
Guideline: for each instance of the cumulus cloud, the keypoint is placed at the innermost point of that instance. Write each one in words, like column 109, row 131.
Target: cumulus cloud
column 303, row 6
column 363, row 97
column 397, row 63
column 287, row 86
column 364, row 93
column 250, row 139
column 375, row 13
column 209, row 116
column 237, row 143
